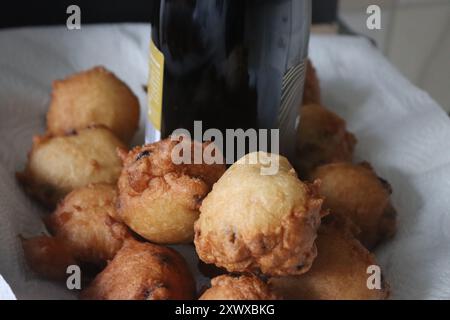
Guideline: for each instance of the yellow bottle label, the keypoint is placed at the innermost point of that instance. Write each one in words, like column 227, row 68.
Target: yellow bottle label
column 155, row 86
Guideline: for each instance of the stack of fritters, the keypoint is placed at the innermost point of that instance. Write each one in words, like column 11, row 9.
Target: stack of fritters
column 276, row 236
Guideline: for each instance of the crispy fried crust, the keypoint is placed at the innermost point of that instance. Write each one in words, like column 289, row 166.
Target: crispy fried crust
column 84, row 232
column 322, row 138
column 243, row 287
column 159, row 199
column 85, row 221
column 95, row 96
column 356, row 192
column 47, row 256
column 143, row 271
column 260, row 223
column 59, row 164
column 311, row 93
column 338, row 273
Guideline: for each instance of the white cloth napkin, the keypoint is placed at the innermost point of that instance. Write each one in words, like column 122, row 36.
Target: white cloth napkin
column 401, row 131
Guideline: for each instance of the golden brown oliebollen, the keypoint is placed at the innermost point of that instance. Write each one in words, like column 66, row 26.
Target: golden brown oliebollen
column 340, row 271
column 95, row 96
column 159, row 199
column 84, row 230
column 255, row 222
column 143, row 271
column 322, row 138
column 356, row 192
column 238, row 287
column 48, row 257
column 86, row 221
column 59, row 164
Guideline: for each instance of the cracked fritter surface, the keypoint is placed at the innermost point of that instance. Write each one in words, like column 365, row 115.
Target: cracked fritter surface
column 159, row 199
column 95, row 96
column 85, row 221
column 259, row 223
column 243, row 287
column 84, row 232
column 59, row 164
column 322, row 138
column 356, row 192
column 143, row 271
column 338, row 273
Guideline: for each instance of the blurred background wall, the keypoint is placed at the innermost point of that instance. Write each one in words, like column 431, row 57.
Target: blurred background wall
column 415, row 37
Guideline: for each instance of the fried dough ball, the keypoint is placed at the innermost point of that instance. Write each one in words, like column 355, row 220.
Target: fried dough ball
column 84, row 231
column 95, row 96
column 47, row 256
column 244, row 287
column 311, row 93
column 322, row 138
column 160, row 200
column 143, row 271
column 356, row 192
column 259, row 223
column 85, row 221
column 60, row 164
column 340, row 271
